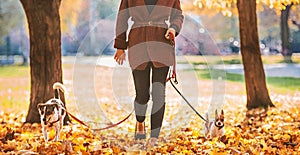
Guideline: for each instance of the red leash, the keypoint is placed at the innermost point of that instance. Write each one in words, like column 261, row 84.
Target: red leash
column 98, row 129
column 113, row 125
column 77, row 119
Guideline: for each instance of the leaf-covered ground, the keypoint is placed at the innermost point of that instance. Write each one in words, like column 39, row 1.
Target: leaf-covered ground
column 272, row 132
column 256, row 132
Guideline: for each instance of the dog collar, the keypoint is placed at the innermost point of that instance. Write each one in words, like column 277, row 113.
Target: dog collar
column 51, row 123
column 220, row 127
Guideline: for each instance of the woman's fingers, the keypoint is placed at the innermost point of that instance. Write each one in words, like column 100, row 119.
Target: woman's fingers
column 120, row 56
column 170, row 30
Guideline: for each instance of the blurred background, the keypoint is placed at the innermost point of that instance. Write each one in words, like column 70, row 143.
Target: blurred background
column 95, row 20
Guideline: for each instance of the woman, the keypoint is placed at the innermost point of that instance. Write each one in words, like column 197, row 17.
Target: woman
column 149, row 51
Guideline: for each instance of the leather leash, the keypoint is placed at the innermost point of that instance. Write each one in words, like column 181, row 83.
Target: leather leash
column 173, row 76
column 186, row 99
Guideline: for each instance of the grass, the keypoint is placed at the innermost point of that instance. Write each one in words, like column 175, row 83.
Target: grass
column 14, row 71
column 14, row 87
column 280, row 84
column 283, row 84
column 234, row 59
column 286, row 82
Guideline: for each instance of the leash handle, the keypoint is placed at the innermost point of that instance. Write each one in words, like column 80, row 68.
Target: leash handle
column 173, row 76
column 172, row 39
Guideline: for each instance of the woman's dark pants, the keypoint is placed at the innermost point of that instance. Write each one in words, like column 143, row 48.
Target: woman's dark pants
column 142, row 89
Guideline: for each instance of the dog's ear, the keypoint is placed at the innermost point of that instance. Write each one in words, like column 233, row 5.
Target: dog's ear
column 222, row 114
column 40, row 105
column 216, row 114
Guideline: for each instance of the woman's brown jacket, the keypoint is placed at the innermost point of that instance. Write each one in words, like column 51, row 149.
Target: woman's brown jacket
column 146, row 40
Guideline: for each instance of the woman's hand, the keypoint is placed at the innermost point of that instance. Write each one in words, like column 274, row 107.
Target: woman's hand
column 120, row 56
column 170, row 30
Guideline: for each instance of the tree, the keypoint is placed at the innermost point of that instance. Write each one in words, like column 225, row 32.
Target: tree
column 45, row 51
column 285, row 34
column 257, row 92
column 256, row 88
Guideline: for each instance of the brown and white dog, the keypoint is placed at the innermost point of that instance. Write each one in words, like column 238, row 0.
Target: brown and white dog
column 214, row 128
column 52, row 113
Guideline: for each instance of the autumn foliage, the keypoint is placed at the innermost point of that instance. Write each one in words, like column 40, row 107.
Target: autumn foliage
column 274, row 131
column 228, row 7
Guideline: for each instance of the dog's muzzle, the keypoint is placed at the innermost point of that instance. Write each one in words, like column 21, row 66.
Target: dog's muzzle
column 45, row 120
column 219, row 124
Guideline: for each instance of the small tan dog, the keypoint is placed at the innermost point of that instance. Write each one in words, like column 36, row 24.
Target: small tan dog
column 52, row 113
column 214, row 128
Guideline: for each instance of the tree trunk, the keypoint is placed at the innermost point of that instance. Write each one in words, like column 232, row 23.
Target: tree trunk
column 257, row 92
column 285, row 35
column 45, row 52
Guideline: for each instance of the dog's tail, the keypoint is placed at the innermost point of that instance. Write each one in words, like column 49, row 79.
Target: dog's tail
column 56, row 87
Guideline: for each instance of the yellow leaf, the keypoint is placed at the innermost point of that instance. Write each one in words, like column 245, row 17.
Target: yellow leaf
column 288, row 119
column 286, row 137
column 263, row 143
column 220, row 144
column 277, row 137
column 27, row 135
column 116, row 150
column 79, row 148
